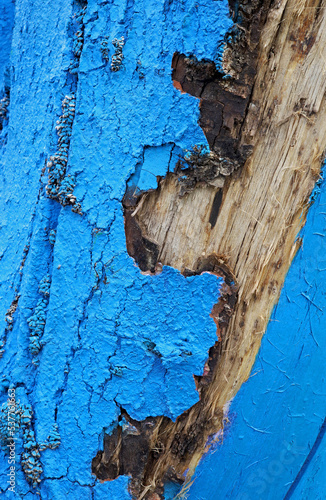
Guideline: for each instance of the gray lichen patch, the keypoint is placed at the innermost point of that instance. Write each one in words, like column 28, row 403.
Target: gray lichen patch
column 60, row 184
column 117, row 58
column 200, row 166
column 4, row 105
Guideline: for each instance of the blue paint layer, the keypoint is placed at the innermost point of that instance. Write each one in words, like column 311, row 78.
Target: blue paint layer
column 301, row 476
column 7, row 9
column 112, row 336
column 311, row 483
column 157, row 162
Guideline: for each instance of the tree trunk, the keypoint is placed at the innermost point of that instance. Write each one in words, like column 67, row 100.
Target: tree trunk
column 114, row 369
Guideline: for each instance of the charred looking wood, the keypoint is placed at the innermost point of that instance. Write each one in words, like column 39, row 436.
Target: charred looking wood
column 144, row 251
column 140, row 448
column 222, row 111
column 224, row 97
column 128, row 449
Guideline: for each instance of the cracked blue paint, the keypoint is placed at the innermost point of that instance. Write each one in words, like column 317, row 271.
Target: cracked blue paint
column 113, row 336
column 157, row 161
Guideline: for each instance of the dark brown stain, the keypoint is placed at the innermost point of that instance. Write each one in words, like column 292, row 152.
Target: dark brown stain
column 127, row 449
column 304, row 37
column 215, row 207
column 222, row 111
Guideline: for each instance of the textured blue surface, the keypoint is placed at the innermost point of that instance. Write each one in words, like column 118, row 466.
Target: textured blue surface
column 112, row 335
column 311, row 484
column 7, row 9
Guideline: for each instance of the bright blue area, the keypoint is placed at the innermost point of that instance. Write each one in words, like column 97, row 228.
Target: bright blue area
column 114, row 489
column 171, row 490
column 277, row 414
column 7, row 9
column 112, row 336
column 312, row 483
column 158, row 161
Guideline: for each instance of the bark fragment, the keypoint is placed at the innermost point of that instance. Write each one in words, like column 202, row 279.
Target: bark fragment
column 224, row 97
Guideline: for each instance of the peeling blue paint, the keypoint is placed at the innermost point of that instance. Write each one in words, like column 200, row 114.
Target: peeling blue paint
column 157, row 161
column 113, row 336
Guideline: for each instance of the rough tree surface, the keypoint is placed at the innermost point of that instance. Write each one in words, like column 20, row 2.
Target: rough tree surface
column 158, row 159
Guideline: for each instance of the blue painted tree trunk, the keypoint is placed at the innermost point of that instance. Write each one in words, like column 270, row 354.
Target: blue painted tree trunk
column 88, row 107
